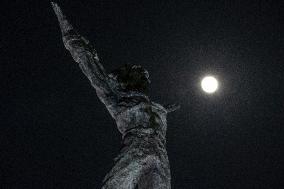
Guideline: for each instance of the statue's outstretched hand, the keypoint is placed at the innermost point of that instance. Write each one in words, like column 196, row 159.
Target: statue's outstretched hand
column 57, row 11
column 172, row 107
column 63, row 22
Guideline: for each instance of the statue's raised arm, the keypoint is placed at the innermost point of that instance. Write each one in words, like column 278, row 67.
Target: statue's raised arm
column 86, row 56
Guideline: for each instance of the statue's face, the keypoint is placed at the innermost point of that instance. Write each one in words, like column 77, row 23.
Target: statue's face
column 132, row 78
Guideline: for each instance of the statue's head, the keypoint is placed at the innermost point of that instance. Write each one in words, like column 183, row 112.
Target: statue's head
column 131, row 78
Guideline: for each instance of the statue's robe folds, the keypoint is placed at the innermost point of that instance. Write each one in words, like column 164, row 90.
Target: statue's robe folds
column 143, row 160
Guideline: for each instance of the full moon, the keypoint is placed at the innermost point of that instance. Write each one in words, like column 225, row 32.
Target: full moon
column 209, row 84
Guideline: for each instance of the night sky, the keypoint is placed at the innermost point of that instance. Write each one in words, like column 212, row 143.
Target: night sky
column 55, row 133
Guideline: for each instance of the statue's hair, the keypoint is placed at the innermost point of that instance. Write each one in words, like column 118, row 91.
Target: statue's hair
column 131, row 77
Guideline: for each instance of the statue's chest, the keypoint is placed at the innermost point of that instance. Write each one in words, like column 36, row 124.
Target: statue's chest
column 141, row 115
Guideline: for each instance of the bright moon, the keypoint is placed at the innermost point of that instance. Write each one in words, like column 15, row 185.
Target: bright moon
column 209, row 84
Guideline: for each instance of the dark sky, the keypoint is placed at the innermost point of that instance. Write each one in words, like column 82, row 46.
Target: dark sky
column 57, row 134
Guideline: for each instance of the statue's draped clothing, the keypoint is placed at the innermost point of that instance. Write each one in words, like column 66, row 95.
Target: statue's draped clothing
column 143, row 159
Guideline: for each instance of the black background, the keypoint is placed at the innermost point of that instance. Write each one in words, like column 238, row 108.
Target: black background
column 56, row 134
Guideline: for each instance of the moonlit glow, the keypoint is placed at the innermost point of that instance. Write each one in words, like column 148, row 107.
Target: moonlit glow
column 209, row 84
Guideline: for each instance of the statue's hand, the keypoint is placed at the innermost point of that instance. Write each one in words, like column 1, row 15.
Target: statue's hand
column 172, row 107
column 57, row 11
column 64, row 24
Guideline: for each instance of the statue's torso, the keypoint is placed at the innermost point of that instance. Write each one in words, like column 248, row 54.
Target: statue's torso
column 141, row 115
column 143, row 126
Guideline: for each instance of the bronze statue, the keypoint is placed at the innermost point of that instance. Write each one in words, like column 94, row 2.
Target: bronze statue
column 143, row 160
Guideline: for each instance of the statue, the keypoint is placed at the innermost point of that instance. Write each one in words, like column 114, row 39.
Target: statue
column 143, row 161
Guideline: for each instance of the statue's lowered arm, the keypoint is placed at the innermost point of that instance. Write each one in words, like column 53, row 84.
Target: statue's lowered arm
column 172, row 107
column 86, row 56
